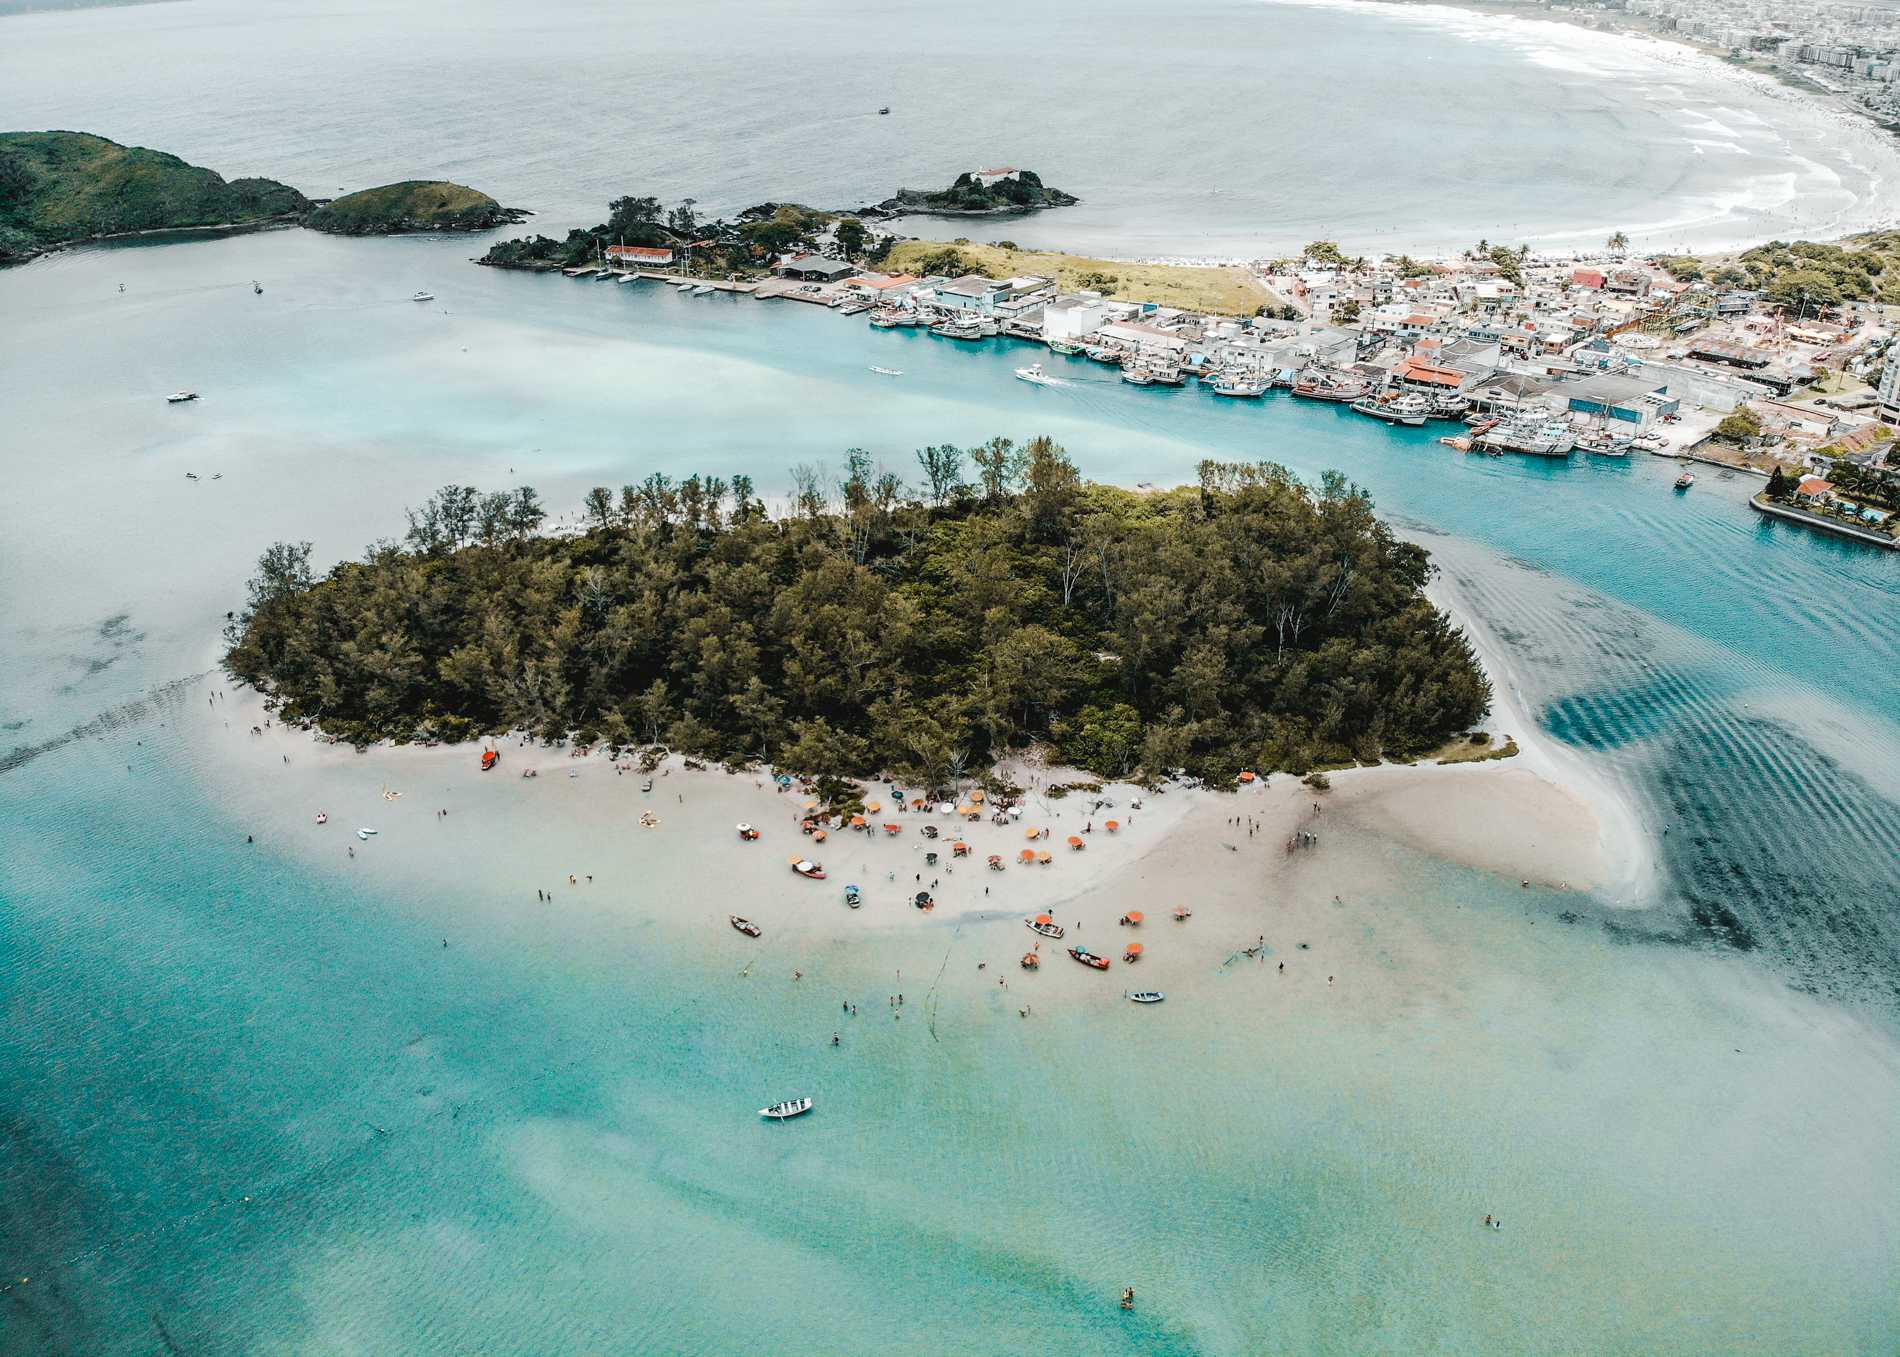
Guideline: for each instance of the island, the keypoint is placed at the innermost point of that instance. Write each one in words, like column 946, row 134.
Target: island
column 410, row 206
column 60, row 187
column 976, row 193
column 1246, row 623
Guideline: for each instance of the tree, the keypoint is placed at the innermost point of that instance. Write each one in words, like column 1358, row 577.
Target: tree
column 1052, row 484
column 1779, row 485
column 683, row 219
column 999, row 464
column 851, row 236
column 942, row 466
column 1618, row 243
column 1739, row 425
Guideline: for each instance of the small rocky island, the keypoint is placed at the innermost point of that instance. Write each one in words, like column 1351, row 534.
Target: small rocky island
column 412, row 205
column 57, row 188
column 976, row 193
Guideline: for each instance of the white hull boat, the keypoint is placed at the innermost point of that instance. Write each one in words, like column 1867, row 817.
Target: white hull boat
column 785, row 1111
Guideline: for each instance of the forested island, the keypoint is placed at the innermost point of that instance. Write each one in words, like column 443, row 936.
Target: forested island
column 59, row 187
column 410, row 206
column 1002, row 192
column 1247, row 622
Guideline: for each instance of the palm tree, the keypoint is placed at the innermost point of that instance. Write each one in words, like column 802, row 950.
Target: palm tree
column 1618, row 243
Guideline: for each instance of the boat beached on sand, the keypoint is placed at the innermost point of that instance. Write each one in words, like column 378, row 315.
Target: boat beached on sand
column 1044, row 925
column 1088, row 958
column 1146, row 996
column 745, row 926
column 808, row 869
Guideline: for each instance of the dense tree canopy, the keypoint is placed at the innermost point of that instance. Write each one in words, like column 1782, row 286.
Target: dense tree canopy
column 1251, row 621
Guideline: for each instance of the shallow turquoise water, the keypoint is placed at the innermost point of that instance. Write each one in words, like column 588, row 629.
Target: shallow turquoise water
column 524, row 1143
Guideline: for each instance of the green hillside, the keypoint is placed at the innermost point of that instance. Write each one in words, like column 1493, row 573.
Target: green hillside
column 57, row 187
column 413, row 205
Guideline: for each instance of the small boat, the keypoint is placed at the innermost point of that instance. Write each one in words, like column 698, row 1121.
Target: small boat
column 604, row 276
column 490, row 757
column 430, row 296
column 704, row 290
column 322, row 818
column 1044, row 925
column 1138, row 376
column 365, row 833
column 1088, row 958
column 923, row 900
column 808, row 869
column 888, row 372
column 853, row 897
column 746, row 831
column 1239, row 386
column 647, row 786
column 628, row 278
column 1146, row 996
column 180, row 397
column 191, row 475
column 1064, row 346
column 791, row 1107
column 1409, row 410
column 745, row 926
column 257, row 287
column 1034, row 374
column 1685, row 480
column 884, row 111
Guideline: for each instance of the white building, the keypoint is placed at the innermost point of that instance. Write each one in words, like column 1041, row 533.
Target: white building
column 1072, row 318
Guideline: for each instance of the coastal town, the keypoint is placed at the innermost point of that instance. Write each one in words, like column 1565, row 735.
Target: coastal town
column 1774, row 362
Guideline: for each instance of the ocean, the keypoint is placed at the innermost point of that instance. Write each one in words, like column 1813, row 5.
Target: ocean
column 250, row 1105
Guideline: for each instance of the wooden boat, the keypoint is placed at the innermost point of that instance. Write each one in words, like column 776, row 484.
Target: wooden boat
column 785, row 1111
column 1044, row 925
column 180, row 397
column 1088, row 958
column 1146, row 996
column 490, row 757
column 745, row 926
column 1685, row 480
column 852, row 897
column 808, row 869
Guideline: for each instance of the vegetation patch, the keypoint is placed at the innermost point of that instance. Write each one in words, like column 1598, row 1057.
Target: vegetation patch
column 1257, row 622
column 1214, row 290
column 413, row 205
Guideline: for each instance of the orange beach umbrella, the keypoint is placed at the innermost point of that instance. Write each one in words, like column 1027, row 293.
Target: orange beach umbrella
column 857, row 822
column 1044, row 858
column 872, row 808
column 1027, row 855
column 1133, row 916
column 1075, row 841
column 1032, row 833
column 1132, row 951
column 1045, row 919
column 1113, row 825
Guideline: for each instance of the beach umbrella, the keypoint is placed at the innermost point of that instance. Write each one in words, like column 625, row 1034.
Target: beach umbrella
column 1246, row 777
column 1045, row 919
column 1044, row 858
column 857, row 822
column 966, row 809
column 946, row 808
column 1032, row 833
column 977, row 796
column 1132, row 951
column 872, row 808
column 1075, row 841
column 1113, row 825
column 1133, row 916
column 811, row 805
column 1027, row 855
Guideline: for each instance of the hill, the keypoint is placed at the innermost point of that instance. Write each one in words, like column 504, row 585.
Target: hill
column 983, row 194
column 412, row 205
column 59, row 187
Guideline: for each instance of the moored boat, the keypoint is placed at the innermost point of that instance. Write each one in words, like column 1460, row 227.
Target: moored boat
column 853, row 897
column 1088, row 958
column 808, row 869
column 1146, row 996
column 1685, row 480
column 791, row 1107
column 1066, row 347
column 180, row 397
column 1044, row 925
column 1408, row 410
column 1138, row 376
column 1324, row 385
column 745, row 926
column 1235, row 385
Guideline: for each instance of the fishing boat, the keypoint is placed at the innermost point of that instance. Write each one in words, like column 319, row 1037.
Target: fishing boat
column 1067, row 347
column 1685, row 480
column 808, row 869
column 888, row 372
column 892, row 318
column 745, row 926
column 1233, row 384
column 180, row 397
column 1407, row 410
column 746, row 831
column 785, row 1111
column 1528, row 434
column 1044, row 925
column 1138, row 376
column 1146, row 996
column 423, row 297
column 1034, row 375
column 1320, row 384
column 852, row 897
column 1101, row 353
column 1168, row 376
column 1088, row 958
column 490, row 757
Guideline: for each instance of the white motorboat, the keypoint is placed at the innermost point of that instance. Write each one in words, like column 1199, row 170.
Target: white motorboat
column 1146, row 996
column 628, row 278
column 888, row 372
column 180, row 397
column 1044, row 925
column 423, row 297
column 1034, row 373
column 704, row 290
column 365, row 833
column 791, row 1107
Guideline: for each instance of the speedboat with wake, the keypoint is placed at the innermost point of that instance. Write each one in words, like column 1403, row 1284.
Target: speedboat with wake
column 1035, row 375
column 888, row 372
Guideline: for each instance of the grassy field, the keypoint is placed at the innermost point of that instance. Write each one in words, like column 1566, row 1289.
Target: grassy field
column 60, row 186
column 1222, row 291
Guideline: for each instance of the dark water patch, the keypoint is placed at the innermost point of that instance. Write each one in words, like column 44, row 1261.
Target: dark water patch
column 122, row 717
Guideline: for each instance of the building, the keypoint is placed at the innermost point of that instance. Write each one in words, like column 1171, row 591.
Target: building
column 972, row 292
column 811, row 268
column 1813, row 489
column 1631, row 400
column 880, row 287
column 1889, row 391
column 639, row 257
column 996, row 176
